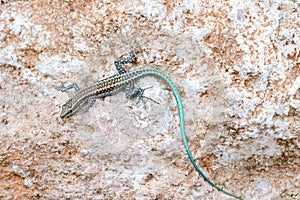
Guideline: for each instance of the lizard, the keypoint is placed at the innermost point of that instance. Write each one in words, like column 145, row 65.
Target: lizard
column 84, row 98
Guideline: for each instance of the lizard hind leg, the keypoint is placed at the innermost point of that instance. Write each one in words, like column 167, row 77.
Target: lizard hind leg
column 138, row 92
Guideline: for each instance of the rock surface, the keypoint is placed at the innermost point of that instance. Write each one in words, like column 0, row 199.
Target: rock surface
column 236, row 64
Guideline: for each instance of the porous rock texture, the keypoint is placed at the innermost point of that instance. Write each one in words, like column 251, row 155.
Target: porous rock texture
column 236, row 64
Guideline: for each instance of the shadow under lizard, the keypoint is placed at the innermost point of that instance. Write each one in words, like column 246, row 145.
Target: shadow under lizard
column 84, row 98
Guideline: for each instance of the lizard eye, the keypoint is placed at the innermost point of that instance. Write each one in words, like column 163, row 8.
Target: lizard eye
column 69, row 104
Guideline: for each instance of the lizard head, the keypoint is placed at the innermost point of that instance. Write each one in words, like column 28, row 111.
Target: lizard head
column 67, row 109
